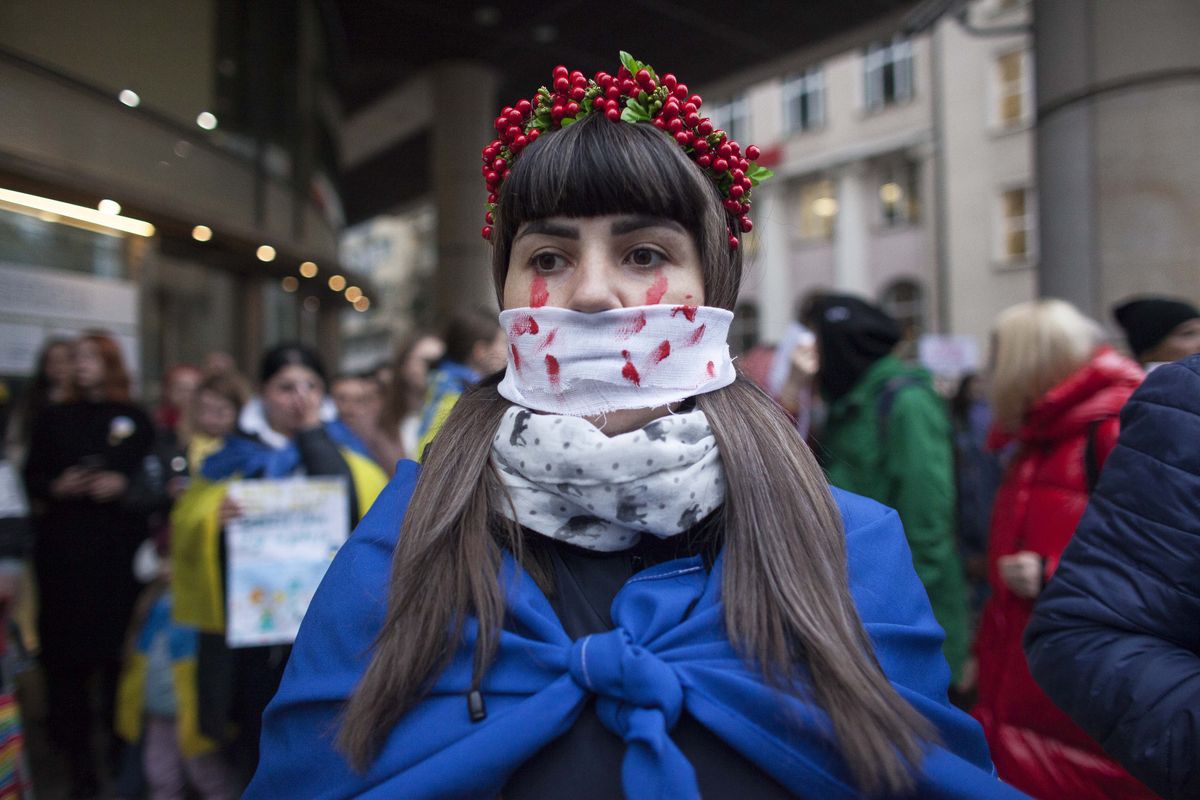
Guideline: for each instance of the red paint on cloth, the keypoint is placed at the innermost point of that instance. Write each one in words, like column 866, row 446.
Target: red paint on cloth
column 661, row 353
column 696, row 336
column 538, row 293
column 516, row 357
column 634, row 327
column 688, row 311
column 522, row 325
column 552, row 371
column 549, row 340
column 654, row 294
column 712, row 370
column 629, row 371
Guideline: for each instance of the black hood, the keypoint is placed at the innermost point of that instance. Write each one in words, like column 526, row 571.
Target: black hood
column 851, row 335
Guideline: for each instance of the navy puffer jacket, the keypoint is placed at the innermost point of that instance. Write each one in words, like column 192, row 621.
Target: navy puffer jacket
column 1114, row 639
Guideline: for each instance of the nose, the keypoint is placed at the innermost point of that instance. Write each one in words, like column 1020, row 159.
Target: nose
column 593, row 286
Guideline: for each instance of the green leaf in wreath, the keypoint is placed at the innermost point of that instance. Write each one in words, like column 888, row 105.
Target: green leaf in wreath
column 758, row 174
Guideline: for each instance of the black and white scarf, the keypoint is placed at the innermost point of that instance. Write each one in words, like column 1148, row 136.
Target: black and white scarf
column 570, row 481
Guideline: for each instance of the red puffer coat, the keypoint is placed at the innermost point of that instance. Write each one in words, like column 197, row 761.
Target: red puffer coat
column 1036, row 747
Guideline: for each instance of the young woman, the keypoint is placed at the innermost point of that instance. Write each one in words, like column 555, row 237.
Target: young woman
column 235, row 685
column 416, row 356
column 51, row 386
column 1056, row 392
column 83, row 457
column 619, row 569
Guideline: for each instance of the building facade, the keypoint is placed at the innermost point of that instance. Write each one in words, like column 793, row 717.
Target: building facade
column 904, row 173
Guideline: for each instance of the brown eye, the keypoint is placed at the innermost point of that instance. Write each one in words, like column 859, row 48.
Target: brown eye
column 546, row 262
column 646, row 257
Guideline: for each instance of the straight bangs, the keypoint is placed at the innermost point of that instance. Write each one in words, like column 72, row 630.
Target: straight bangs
column 598, row 167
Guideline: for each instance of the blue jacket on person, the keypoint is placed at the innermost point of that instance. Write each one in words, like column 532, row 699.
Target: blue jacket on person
column 667, row 653
column 1115, row 636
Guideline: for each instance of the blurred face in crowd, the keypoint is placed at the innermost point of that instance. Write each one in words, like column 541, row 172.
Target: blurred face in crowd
column 182, row 387
column 487, row 357
column 595, row 264
column 59, row 366
column 424, row 354
column 216, row 416
column 88, row 367
column 292, row 399
column 355, row 401
column 1182, row 342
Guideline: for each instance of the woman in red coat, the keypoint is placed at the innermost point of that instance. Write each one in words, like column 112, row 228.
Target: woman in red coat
column 1056, row 394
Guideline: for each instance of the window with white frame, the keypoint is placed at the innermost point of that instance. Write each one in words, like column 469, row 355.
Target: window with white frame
column 804, row 100
column 887, row 74
column 1013, row 89
column 899, row 193
column 1018, row 225
column 818, row 208
column 733, row 117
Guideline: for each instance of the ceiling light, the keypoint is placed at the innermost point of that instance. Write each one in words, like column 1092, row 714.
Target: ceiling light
column 265, row 252
column 24, row 203
column 308, row 269
column 107, row 206
column 891, row 193
column 290, row 284
column 362, row 304
column 207, row 120
column 201, row 233
column 311, row 303
column 129, row 97
column 353, row 293
column 337, row 283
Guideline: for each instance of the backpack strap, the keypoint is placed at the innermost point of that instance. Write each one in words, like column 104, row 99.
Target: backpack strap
column 887, row 399
column 1091, row 460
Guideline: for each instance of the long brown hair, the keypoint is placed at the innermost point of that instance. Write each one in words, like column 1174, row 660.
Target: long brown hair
column 117, row 384
column 785, row 584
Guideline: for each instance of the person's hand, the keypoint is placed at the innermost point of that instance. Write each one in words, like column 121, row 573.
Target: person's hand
column 970, row 676
column 107, row 485
column 74, row 482
column 804, row 362
column 1022, row 573
column 308, row 409
column 228, row 511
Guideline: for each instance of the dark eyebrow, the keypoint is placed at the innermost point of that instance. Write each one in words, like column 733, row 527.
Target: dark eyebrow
column 548, row 228
column 637, row 222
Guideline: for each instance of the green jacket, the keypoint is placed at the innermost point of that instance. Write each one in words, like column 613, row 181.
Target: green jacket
column 906, row 462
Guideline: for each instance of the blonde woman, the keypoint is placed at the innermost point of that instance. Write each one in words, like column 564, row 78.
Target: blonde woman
column 1056, row 392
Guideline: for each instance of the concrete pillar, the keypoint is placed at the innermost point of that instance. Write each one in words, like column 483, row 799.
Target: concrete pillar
column 464, row 105
column 851, row 273
column 1118, row 94
column 251, row 325
column 776, row 289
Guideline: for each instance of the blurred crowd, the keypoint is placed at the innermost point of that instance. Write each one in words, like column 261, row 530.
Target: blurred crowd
column 125, row 507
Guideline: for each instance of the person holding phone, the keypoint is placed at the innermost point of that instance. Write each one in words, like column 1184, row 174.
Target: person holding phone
column 84, row 456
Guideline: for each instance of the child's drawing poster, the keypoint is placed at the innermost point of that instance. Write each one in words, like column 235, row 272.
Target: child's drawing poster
column 277, row 552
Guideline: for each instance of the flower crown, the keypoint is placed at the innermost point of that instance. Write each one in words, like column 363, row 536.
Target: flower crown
column 635, row 94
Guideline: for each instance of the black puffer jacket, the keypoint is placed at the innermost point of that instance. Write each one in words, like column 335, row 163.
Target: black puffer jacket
column 1114, row 639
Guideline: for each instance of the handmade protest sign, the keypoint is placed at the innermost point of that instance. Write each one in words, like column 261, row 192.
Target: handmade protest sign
column 277, row 553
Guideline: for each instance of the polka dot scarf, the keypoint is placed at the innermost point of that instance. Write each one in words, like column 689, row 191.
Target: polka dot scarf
column 571, row 482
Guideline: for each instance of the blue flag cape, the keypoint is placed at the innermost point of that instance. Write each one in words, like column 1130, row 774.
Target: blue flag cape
column 250, row 458
column 667, row 653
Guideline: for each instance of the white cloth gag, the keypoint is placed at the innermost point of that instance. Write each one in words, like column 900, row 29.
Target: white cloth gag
column 568, row 362
column 571, row 482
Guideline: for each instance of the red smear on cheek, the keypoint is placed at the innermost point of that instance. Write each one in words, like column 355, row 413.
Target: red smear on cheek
column 548, row 341
column 629, row 371
column 516, row 357
column 696, row 336
column 712, row 370
column 552, row 370
column 522, row 325
column 688, row 311
column 635, row 327
column 654, row 294
column 538, row 293
column 687, row 297
column 660, row 354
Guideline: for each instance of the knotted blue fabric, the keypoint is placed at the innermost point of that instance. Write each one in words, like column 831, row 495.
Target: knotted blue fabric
column 666, row 654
